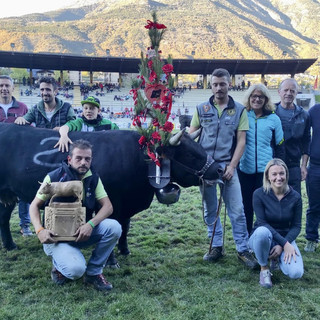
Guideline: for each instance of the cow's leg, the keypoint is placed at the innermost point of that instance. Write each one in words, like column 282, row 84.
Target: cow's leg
column 123, row 243
column 5, row 215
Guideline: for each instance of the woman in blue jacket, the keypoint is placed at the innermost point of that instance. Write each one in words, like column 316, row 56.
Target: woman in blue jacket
column 264, row 141
column 278, row 210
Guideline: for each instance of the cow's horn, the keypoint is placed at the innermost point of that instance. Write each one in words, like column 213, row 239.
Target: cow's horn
column 195, row 134
column 175, row 140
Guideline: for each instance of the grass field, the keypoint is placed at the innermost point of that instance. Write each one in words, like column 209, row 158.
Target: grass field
column 164, row 278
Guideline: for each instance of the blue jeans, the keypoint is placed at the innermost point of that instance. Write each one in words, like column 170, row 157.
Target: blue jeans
column 23, row 213
column 68, row 259
column 233, row 201
column 313, row 212
column 261, row 242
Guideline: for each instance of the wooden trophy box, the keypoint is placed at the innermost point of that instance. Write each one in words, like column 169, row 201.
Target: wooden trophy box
column 64, row 219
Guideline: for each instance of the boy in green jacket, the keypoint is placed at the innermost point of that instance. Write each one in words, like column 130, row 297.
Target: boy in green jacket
column 91, row 120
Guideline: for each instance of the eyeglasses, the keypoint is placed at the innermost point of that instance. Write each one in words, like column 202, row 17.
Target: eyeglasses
column 257, row 97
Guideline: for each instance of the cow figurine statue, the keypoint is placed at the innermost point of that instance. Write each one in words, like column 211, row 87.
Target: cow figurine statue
column 62, row 189
column 27, row 155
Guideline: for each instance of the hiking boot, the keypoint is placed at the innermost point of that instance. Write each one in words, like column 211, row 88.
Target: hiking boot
column 248, row 259
column 311, row 246
column 214, row 254
column 26, row 231
column 57, row 277
column 98, row 281
column 274, row 265
column 265, row 279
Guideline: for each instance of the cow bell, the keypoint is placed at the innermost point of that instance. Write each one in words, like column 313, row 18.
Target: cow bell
column 169, row 194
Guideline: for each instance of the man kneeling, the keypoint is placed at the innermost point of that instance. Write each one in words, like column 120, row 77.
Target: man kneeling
column 68, row 261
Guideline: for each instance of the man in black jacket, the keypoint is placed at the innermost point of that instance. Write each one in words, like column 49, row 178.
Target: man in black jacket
column 67, row 259
column 296, row 129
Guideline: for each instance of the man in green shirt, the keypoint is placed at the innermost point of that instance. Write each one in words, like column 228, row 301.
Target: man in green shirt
column 91, row 120
column 223, row 124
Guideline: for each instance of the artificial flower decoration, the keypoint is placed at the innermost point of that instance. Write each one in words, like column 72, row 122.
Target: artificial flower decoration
column 152, row 95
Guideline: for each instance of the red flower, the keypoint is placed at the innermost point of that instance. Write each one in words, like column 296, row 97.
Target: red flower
column 167, row 68
column 155, row 122
column 156, row 106
column 154, row 25
column 143, row 80
column 168, row 126
column 136, row 121
column 153, row 76
column 166, row 99
column 156, row 136
column 143, row 141
column 150, row 64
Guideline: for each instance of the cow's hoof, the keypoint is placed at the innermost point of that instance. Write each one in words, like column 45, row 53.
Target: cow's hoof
column 124, row 251
column 12, row 246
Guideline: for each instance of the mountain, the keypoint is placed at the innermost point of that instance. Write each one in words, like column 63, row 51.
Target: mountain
column 219, row 29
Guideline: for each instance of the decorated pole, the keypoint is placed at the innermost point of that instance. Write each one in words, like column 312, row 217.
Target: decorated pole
column 152, row 95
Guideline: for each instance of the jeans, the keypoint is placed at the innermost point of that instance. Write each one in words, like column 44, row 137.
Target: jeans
column 23, row 213
column 233, row 201
column 313, row 212
column 295, row 178
column 261, row 242
column 68, row 259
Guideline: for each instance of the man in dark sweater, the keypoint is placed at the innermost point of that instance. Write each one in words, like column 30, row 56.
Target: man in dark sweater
column 313, row 182
column 296, row 129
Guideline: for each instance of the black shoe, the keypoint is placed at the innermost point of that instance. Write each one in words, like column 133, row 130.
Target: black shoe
column 98, row 281
column 57, row 277
column 248, row 259
column 214, row 254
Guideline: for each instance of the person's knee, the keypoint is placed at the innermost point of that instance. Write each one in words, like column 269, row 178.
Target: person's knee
column 262, row 232
column 295, row 273
column 74, row 271
column 113, row 227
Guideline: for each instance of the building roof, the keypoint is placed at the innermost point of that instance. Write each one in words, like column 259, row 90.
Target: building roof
column 69, row 62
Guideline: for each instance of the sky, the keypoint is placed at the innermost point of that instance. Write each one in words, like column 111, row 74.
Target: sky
column 21, row 7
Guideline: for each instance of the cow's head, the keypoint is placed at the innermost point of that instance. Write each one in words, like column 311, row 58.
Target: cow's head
column 189, row 161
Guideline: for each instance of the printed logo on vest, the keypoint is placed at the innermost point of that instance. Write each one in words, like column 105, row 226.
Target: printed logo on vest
column 206, row 108
column 231, row 112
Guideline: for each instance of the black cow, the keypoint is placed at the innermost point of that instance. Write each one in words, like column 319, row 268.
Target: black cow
column 27, row 155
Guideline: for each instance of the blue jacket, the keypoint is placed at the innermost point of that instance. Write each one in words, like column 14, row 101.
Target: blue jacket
column 264, row 140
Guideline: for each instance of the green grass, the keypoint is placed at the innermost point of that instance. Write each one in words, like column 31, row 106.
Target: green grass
column 164, row 278
column 317, row 97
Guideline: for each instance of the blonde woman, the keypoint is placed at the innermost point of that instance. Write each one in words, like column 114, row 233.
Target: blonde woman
column 278, row 210
column 264, row 140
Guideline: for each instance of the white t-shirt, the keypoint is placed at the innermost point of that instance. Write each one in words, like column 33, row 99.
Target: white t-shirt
column 6, row 107
column 49, row 114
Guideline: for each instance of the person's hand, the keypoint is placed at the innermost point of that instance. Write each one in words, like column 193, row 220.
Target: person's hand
column 275, row 252
column 228, row 174
column 21, row 121
column 304, row 172
column 83, row 233
column 46, row 236
column 289, row 253
column 63, row 144
column 56, row 128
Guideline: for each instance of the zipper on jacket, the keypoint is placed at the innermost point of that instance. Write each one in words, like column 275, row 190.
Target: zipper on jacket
column 256, row 144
